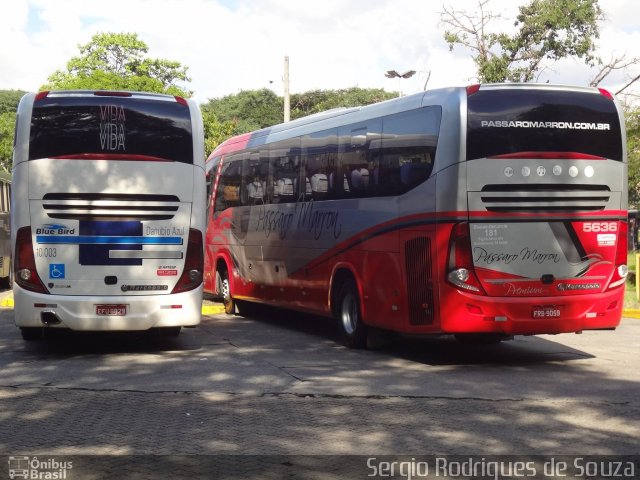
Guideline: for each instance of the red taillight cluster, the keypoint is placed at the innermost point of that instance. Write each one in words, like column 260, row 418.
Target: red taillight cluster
column 460, row 271
column 25, row 273
column 621, row 270
column 194, row 264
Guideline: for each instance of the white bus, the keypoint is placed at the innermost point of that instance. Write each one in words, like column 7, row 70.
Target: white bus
column 108, row 212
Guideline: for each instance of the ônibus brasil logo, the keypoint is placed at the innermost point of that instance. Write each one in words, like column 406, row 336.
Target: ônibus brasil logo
column 55, row 229
column 34, row 468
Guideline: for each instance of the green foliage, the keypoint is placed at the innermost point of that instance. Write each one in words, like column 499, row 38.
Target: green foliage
column 9, row 100
column 8, row 104
column 633, row 152
column 545, row 30
column 216, row 131
column 316, row 101
column 117, row 61
column 249, row 109
column 7, row 126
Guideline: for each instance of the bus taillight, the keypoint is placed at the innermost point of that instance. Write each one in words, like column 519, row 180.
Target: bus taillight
column 194, row 263
column 621, row 270
column 460, row 265
column 25, row 272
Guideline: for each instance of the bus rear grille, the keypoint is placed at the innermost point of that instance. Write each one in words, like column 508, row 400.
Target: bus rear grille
column 537, row 198
column 110, row 207
column 419, row 280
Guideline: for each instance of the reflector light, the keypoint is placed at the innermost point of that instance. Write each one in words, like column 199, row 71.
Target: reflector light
column 471, row 89
column 41, row 95
column 181, row 101
column 606, row 93
column 103, row 93
column 474, row 309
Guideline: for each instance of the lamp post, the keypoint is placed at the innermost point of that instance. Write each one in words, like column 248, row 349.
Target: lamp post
column 395, row 74
column 287, row 104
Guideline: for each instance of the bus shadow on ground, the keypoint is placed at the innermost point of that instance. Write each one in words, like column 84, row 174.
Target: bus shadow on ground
column 65, row 342
column 426, row 349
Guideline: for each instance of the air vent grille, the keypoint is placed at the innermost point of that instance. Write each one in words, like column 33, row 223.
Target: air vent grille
column 110, row 207
column 540, row 198
column 419, row 280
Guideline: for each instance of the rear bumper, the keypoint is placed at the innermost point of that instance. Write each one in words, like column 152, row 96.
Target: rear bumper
column 467, row 313
column 79, row 312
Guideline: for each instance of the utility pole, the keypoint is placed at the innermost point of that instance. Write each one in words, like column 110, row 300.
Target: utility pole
column 287, row 101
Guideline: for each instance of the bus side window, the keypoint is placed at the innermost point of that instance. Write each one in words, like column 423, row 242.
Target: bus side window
column 320, row 152
column 228, row 193
column 255, row 174
column 358, row 153
column 285, row 167
column 409, row 141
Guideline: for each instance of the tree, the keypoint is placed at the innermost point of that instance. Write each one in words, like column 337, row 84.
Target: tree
column 249, row 109
column 316, row 101
column 117, row 61
column 215, row 131
column 9, row 100
column 633, row 152
column 7, row 123
column 8, row 105
column 545, row 30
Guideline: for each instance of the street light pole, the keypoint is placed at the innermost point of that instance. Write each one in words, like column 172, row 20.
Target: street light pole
column 287, row 100
column 395, row 74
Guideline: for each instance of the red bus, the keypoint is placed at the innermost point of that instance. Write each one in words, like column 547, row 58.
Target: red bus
column 484, row 212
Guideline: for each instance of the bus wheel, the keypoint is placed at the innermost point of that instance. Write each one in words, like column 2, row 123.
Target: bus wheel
column 225, row 290
column 31, row 333
column 354, row 332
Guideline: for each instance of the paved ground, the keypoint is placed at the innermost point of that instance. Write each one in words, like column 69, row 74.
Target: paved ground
column 280, row 384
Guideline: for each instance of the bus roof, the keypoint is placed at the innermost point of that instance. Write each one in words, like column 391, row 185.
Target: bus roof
column 431, row 97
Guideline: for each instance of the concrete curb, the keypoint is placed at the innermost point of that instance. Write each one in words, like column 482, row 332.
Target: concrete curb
column 631, row 313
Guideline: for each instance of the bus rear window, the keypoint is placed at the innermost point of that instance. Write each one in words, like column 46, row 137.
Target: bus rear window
column 110, row 127
column 503, row 122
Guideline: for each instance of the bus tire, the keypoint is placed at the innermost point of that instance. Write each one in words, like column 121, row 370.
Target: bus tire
column 225, row 291
column 353, row 330
column 31, row 333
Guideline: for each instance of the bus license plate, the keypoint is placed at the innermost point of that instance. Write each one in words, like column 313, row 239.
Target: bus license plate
column 111, row 310
column 546, row 311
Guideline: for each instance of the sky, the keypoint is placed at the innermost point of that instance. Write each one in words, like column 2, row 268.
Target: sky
column 234, row 45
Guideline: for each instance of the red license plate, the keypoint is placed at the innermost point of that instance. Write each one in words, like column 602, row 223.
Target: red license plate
column 546, row 311
column 111, row 310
